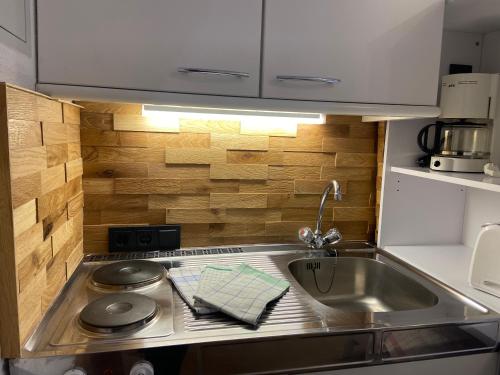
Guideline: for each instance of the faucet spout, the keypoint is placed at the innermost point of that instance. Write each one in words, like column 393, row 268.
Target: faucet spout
column 337, row 194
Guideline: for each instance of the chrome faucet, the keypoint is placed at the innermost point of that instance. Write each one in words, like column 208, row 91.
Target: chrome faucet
column 316, row 239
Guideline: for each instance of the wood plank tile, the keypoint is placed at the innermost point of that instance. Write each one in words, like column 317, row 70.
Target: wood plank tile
column 27, row 241
column 74, row 259
column 190, row 125
column 138, row 123
column 351, row 174
column 24, row 217
column 238, row 200
column 133, row 217
column 73, row 187
column 98, row 185
column 116, row 202
column 194, row 156
column 93, row 120
column 71, row 114
column 74, row 169
column 348, row 145
column 30, row 306
column 289, row 200
column 304, row 214
column 54, row 133
column 26, row 188
column 311, row 144
column 74, row 151
column 146, row 186
column 60, row 237
column 103, row 107
column 354, row 214
column 254, row 157
column 249, row 216
column 75, row 205
column 52, row 178
column 52, row 202
column 109, row 170
column 73, row 133
column 23, row 105
column 178, row 140
column 24, row 134
column 269, row 127
column 236, row 230
column 178, row 201
column 322, row 130
column 355, row 160
column 27, row 161
column 203, row 186
column 315, row 186
column 33, row 264
column 54, row 220
column 252, row 215
column 57, row 154
column 269, row 186
column 239, row 171
column 178, row 171
column 343, row 119
column 123, row 155
column 96, row 232
column 293, row 173
column 239, row 142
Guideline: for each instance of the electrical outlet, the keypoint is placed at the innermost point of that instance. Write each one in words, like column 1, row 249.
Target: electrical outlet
column 147, row 238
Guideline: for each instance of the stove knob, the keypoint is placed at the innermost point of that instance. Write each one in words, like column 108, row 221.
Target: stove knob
column 76, row 371
column 142, row 368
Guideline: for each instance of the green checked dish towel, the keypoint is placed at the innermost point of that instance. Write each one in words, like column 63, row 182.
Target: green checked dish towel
column 242, row 292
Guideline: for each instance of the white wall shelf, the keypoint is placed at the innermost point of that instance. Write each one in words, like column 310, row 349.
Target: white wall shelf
column 473, row 180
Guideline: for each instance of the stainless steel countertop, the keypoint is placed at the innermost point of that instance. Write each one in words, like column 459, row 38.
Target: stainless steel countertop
column 297, row 313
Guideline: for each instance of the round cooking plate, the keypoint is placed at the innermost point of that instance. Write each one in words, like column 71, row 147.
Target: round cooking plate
column 128, row 274
column 118, row 312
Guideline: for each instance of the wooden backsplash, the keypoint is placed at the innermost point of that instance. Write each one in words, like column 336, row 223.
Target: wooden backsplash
column 41, row 204
column 224, row 181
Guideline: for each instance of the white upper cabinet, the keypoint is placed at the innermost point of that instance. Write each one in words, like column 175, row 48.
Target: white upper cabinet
column 186, row 46
column 364, row 51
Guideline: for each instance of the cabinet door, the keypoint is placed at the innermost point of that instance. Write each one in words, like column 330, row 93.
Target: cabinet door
column 189, row 46
column 369, row 51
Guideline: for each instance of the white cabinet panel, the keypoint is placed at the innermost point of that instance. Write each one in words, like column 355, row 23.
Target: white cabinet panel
column 13, row 17
column 383, row 51
column 142, row 44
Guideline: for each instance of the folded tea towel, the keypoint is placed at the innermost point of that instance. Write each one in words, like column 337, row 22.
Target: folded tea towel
column 242, row 292
column 186, row 281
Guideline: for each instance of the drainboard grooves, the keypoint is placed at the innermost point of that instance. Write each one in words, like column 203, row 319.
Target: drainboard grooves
column 288, row 310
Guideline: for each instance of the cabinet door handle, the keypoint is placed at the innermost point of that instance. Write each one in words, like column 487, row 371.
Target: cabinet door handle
column 327, row 80
column 215, row 72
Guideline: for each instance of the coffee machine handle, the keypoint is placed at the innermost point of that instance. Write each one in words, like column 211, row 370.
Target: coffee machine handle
column 422, row 138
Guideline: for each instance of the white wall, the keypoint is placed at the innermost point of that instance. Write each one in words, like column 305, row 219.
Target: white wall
column 491, row 53
column 17, row 57
column 480, row 207
column 461, row 48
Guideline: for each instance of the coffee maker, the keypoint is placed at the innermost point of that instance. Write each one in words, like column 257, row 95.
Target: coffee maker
column 458, row 146
column 461, row 140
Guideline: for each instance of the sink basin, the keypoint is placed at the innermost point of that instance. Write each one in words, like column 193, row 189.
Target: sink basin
column 360, row 285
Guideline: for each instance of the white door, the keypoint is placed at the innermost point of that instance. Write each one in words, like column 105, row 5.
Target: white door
column 369, row 51
column 189, row 46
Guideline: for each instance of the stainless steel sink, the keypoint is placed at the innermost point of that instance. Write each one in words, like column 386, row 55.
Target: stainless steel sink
column 360, row 285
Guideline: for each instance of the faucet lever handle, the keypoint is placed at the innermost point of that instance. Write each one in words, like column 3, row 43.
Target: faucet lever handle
column 306, row 235
column 332, row 237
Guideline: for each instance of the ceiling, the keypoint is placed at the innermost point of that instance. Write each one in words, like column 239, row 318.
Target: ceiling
column 475, row 16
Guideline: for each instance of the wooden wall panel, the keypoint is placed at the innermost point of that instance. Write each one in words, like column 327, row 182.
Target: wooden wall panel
column 223, row 181
column 41, row 203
